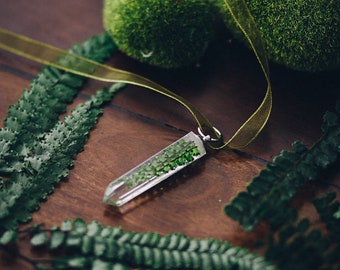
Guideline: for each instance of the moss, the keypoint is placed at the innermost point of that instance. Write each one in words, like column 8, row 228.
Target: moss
column 168, row 33
column 300, row 34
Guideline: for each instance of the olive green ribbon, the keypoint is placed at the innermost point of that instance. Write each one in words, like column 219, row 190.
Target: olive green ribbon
column 49, row 55
column 256, row 122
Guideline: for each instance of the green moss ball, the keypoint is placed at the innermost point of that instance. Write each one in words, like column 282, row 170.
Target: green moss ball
column 302, row 35
column 167, row 33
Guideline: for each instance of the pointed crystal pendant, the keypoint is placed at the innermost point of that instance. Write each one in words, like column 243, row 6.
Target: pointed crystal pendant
column 154, row 170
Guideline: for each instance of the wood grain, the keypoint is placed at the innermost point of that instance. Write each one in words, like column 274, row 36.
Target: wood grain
column 138, row 123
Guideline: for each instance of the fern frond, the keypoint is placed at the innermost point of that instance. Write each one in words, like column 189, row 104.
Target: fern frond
column 29, row 155
column 269, row 193
column 299, row 246
column 49, row 161
column 86, row 245
column 39, row 107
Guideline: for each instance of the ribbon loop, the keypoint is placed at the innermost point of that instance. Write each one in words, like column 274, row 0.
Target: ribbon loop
column 49, row 55
column 256, row 122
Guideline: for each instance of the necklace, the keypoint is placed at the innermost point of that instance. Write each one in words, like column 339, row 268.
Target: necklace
column 184, row 151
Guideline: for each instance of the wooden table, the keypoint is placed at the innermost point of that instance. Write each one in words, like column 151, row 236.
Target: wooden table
column 227, row 87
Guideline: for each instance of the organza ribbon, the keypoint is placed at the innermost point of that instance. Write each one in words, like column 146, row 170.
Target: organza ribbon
column 256, row 122
column 49, row 55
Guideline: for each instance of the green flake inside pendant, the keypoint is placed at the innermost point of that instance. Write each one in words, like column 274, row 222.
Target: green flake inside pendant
column 157, row 168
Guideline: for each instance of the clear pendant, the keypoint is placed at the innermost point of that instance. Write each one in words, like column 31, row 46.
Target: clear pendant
column 154, row 170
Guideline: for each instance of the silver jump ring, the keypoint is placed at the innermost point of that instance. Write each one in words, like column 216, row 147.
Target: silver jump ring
column 207, row 138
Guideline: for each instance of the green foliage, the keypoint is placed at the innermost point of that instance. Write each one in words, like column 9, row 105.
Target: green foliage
column 8, row 237
column 39, row 239
column 175, row 155
column 329, row 211
column 302, row 35
column 39, row 107
column 36, row 148
column 166, row 33
column 48, row 161
column 93, row 246
column 300, row 247
column 269, row 193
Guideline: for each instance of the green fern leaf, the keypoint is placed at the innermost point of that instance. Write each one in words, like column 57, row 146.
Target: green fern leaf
column 269, row 193
column 48, row 161
column 110, row 246
column 32, row 135
column 38, row 109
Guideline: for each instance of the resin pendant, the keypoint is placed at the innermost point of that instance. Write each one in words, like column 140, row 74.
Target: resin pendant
column 154, row 170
